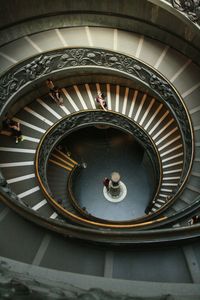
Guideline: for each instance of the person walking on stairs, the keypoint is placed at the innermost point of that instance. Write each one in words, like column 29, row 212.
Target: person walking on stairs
column 100, row 99
column 15, row 128
column 54, row 92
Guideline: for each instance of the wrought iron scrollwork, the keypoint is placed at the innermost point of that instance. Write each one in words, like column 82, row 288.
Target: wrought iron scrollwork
column 190, row 7
column 27, row 72
column 42, row 65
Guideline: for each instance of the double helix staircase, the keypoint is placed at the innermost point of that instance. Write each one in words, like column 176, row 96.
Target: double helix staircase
column 38, row 114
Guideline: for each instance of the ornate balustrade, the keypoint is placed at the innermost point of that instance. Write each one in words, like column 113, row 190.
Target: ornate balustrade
column 36, row 69
column 191, row 8
column 21, row 77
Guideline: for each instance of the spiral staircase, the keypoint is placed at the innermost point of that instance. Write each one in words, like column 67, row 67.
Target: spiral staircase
column 38, row 232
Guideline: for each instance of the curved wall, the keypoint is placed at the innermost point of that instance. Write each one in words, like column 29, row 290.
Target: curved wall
column 158, row 20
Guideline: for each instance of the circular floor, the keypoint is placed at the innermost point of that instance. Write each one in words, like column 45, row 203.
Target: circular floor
column 103, row 151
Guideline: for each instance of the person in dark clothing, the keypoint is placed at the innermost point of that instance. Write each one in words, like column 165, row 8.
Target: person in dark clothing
column 106, row 182
column 8, row 123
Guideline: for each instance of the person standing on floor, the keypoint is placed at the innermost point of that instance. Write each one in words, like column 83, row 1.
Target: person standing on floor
column 106, row 182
